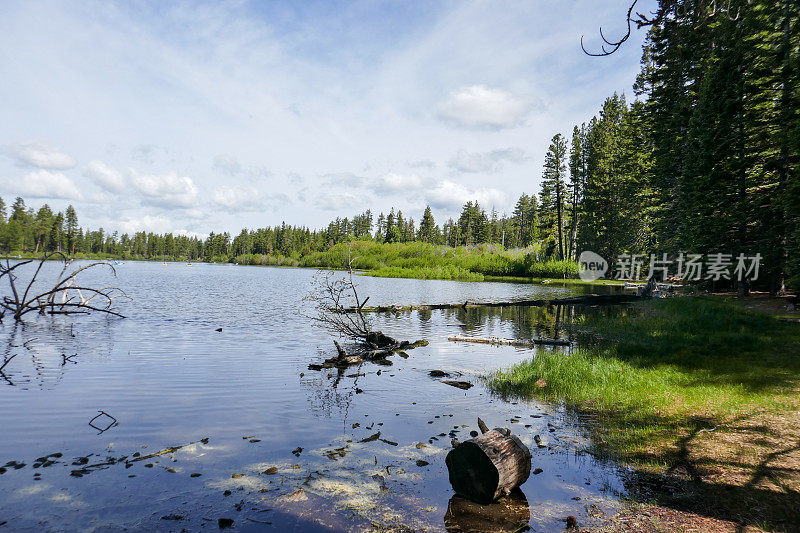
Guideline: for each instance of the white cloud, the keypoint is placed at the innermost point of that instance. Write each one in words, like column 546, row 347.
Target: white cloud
column 422, row 163
column 487, row 162
column 168, row 190
column 336, row 202
column 483, row 108
column 38, row 155
column 45, row 184
column 451, row 196
column 227, row 164
column 107, row 178
column 395, row 183
column 343, row 179
column 156, row 224
column 238, row 198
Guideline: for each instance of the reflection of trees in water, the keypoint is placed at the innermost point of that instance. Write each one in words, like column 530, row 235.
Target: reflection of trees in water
column 330, row 391
column 44, row 349
column 526, row 322
column 522, row 322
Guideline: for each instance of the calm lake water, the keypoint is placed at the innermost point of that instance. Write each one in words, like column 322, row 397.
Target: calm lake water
column 242, row 400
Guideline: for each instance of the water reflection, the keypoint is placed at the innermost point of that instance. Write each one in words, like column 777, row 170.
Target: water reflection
column 170, row 377
column 508, row 514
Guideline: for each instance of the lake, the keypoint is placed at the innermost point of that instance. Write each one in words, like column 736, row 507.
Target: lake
column 237, row 402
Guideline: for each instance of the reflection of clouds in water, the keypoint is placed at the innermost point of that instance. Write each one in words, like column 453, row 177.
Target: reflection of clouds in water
column 373, row 481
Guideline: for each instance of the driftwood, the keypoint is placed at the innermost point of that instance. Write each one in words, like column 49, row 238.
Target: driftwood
column 510, row 342
column 363, row 353
column 589, row 299
column 489, row 466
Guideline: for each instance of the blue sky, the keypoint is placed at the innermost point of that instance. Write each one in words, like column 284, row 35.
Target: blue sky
column 196, row 117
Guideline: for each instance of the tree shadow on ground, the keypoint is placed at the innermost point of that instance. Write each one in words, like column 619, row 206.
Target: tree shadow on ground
column 745, row 471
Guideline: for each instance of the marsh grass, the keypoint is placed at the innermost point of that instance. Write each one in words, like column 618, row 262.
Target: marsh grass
column 427, row 261
column 661, row 368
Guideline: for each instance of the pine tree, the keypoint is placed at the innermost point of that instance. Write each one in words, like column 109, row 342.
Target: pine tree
column 426, row 226
column 553, row 197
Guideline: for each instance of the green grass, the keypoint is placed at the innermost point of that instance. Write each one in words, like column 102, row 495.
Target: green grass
column 428, row 261
column 661, row 366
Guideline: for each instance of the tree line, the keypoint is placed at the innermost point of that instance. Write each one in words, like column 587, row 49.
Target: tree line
column 704, row 160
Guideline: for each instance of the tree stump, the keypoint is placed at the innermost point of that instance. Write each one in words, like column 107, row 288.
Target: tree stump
column 489, row 466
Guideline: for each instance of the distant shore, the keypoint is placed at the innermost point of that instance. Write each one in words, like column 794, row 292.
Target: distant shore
column 414, row 260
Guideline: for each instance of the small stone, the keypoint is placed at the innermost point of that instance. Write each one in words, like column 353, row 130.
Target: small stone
column 225, row 523
column 236, row 476
column 172, row 517
column 458, row 384
column 171, row 470
column 537, row 471
column 255, row 440
column 195, row 474
column 541, row 441
column 219, row 329
column 421, row 445
column 473, row 433
column 420, row 462
column 149, row 465
column 572, row 522
column 226, row 493
column 297, row 451
column 271, row 470
column 438, row 374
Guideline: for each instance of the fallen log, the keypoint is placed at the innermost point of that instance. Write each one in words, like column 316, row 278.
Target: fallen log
column 511, row 342
column 367, row 352
column 589, row 299
column 489, row 466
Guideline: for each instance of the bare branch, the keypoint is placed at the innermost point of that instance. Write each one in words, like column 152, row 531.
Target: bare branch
column 74, row 298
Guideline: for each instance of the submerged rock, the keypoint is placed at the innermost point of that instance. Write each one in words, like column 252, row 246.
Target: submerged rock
column 541, row 441
column 458, row 384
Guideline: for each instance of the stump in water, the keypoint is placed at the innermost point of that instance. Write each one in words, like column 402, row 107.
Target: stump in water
column 489, row 466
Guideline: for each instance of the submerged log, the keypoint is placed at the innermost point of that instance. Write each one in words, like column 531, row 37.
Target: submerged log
column 589, row 299
column 511, row 342
column 489, row 466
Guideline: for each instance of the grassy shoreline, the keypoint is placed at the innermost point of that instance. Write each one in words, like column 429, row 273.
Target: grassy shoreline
column 416, row 260
column 698, row 393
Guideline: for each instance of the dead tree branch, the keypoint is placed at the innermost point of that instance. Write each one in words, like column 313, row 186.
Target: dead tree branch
column 64, row 297
column 339, row 309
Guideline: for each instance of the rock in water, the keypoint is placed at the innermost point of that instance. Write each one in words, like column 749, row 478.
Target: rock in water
column 459, row 384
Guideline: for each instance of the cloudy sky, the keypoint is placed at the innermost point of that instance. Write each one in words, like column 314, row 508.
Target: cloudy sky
column 193, row 117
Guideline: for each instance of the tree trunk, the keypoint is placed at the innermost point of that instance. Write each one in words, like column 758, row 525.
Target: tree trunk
column 489, row 466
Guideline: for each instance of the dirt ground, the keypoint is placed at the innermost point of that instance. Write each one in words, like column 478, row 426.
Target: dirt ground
column 742, row 476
